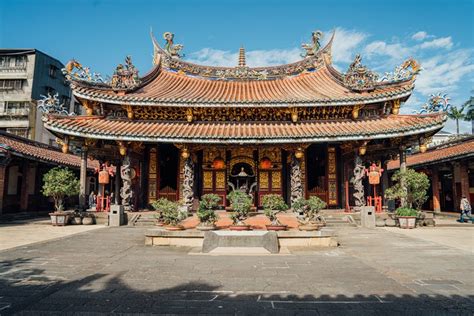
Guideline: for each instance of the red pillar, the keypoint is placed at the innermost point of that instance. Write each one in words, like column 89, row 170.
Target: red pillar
column 24, row 187
column 3, row 182
column 435, row 188
column 464, row 181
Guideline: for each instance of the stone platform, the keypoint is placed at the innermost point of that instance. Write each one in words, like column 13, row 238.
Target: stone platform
column 195, row 238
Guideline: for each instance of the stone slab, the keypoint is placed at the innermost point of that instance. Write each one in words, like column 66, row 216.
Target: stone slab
column 265, row 240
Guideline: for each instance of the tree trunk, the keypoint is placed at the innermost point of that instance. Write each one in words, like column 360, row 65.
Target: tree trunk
column 457, row 126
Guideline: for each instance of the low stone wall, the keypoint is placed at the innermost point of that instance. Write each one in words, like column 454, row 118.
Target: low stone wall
column 194, row 238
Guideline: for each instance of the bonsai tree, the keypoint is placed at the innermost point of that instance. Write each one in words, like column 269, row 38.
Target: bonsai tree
column 60, row 183
column 309, row 209
column 410, row 188
column 272, row 205
column 241, row 204
column 169, row 211
column 206, row 211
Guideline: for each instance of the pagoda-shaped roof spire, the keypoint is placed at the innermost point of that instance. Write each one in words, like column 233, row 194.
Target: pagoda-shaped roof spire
column 242, row 57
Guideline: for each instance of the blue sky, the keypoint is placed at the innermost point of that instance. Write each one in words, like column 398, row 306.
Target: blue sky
column 101, row 33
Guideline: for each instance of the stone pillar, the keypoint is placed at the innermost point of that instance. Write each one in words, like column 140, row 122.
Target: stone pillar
column 24, row 186
column 188, row 182
column 117, row 183
column 464, row 181
column 296, row 185
column 83, row 179
column 384, row 182
column 455, row 168
column 403, row 169
column 3, row 185
column 126, row 192
column 356, row 180
column 435, row 190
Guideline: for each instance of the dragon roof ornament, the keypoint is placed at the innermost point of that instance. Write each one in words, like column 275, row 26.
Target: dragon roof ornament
column 172, row 49
column 358, row 77
column 408, row 70
column 50, row 104
column 125, row 76
column 436, row 103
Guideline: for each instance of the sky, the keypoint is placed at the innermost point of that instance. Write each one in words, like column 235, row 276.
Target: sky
column 100, row 33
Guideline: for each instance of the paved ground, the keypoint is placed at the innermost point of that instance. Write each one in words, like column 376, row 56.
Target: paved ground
column 15, row 235
column 376, row 272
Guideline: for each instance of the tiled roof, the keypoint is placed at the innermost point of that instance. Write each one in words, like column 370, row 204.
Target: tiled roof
column 244, row 132
column 459, row 150
column 39, row 151
column 320, row 87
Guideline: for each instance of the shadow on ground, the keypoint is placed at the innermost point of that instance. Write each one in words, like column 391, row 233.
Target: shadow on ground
column 26, row 290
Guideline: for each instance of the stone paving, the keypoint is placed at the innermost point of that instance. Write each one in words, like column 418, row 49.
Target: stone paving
column 110, row 270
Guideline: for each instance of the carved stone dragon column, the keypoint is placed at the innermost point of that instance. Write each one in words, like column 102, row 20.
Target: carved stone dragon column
column 126, row 192
column 296, row 185
column 188, row 182
column 356, row 180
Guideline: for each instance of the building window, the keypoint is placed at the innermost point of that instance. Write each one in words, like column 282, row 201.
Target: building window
column 4, row 61
column 17, row 108
column 52, row 71
column 23, row 132
column 20, row 62
column 16, row 84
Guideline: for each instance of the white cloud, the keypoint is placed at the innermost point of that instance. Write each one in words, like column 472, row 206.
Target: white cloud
column 345, row 44
column 255, row 58
column 443, row 42
column 419, row 36
column 442, row 73
column 396, row 51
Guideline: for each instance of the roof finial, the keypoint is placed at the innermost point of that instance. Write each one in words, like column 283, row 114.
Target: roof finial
column 242, row 57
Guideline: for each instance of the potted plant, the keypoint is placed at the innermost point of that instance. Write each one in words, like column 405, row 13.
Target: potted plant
column 87, row 219
column 241, row 204
column 171, row 214
column 272, row 205
column 206, row 211
column 77, row 218
column 59, row 183
column 157, row 206
column 410, row 189
column 406, row 217
column 308, row 210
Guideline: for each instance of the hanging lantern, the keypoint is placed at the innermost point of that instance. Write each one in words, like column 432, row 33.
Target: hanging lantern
column 355, row 113
column 363, row 149
column 122, row 150
column 265, row 163
column 423, row 148
column 185, row 153
column 189, row 115
column 299, row 153
column 104, row 177
column 218, row 163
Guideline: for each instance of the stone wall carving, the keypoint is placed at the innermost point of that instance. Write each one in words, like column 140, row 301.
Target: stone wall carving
column 126, row 192
column 188, row 182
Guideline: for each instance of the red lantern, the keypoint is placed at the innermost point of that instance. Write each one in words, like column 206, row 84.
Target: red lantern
column 218, row 163
column 104, row 177
column 265, row 163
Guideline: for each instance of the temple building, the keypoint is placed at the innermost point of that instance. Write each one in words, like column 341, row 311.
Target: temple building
column 301, row 129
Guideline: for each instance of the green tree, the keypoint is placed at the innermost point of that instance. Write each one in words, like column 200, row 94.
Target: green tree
column 457, row 114
column 470, row 112
column 59, row 183
column 414, row 194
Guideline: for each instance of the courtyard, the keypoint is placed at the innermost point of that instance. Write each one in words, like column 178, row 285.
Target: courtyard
column 373, row 272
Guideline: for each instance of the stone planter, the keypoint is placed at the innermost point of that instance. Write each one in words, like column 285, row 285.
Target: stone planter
column 87, row 221
column 174, row 228
column 407, row 222
column 206, row 227
column 309, row 227
column 158, row 223
column 59, row 218
column 276, row 227
column 76, row 220
column 239, row 227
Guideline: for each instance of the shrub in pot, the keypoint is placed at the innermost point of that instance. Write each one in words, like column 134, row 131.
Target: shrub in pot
column 206, row 211
column 241, row 204
column 88, row 219
column 158, row 206
column 406, row 217
column 171, row 214
column 309, row 209
column 59, row 183
column 77, row 218
column 272, row 205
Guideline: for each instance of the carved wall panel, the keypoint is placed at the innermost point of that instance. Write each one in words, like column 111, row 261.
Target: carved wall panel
column 332, row 177
column 152, row 175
